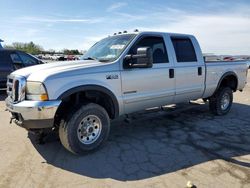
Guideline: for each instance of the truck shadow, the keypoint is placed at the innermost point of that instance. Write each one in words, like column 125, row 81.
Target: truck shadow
column 157, row 143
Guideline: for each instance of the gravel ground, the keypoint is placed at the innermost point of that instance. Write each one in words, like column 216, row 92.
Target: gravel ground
column 156, row 149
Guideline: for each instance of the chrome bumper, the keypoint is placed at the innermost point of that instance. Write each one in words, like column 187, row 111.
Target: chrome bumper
column 32, row 114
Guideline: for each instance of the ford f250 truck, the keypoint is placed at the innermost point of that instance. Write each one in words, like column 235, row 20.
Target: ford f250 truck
column 119, row 75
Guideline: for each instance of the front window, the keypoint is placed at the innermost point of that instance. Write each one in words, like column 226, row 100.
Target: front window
column 156, row 44
column 108, row 49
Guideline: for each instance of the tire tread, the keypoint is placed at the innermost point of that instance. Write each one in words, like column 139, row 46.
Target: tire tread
column 65, row 134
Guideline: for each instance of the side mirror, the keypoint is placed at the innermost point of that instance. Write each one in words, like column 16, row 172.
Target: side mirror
column 143, row 59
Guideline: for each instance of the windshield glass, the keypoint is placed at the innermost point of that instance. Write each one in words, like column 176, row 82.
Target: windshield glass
column 108, row 49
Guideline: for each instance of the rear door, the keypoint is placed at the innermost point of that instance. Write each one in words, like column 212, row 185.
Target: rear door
column 148, row 87
column 189, row 68
column 5, row 68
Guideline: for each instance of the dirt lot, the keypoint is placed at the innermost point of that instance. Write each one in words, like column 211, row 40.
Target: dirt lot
column 157, row 149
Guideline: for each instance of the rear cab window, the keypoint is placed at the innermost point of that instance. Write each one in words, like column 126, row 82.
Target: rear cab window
column 184, row 49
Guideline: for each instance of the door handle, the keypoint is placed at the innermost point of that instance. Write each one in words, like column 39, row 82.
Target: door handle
column 171, row 73
column 199, row 71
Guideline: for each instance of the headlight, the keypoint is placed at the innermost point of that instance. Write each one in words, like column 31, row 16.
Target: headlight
column 36, row 91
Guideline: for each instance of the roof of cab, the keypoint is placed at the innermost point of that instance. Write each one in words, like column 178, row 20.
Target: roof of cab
column 153, row 32
column 9, row 50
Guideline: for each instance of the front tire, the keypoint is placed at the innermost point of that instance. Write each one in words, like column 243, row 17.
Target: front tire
column 86, row 129
column 221, row 102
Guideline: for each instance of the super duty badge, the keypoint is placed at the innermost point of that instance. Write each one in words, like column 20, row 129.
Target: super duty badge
column 112, row 76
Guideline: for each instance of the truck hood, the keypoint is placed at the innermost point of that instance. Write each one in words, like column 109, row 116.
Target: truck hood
column 41, row 72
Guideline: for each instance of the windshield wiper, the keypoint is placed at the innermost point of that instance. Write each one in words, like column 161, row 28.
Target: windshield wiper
column 104, row 60
column 90, row 58
column 93, row 58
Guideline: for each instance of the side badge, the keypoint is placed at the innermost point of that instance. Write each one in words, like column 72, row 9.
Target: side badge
column 112, row 76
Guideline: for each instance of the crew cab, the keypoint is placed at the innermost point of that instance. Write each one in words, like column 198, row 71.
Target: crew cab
column 119, row 75
column 11, row 60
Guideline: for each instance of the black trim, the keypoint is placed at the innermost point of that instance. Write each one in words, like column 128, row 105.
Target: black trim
column 93, row 88
column 129, row 92
column 37, row 124
column 31, row 124
column 171, row 73
column 199, row 71
column 230, row 73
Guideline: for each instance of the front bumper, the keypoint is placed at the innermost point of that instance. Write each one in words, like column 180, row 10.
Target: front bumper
column 33, row 114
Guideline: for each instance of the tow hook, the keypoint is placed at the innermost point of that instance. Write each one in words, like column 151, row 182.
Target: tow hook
column 11, row 119
column 127, row 119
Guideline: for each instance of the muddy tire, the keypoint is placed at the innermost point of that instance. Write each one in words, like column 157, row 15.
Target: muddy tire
column 85, row 129
column 221, row 102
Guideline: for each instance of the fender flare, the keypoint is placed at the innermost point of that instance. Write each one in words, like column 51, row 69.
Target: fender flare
column 93, row 88
column 230, row 73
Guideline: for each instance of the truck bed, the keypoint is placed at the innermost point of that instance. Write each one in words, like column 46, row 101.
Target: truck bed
column 216, row 69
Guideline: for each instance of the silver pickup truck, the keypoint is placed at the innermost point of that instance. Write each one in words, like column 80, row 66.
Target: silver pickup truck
column 119, row 75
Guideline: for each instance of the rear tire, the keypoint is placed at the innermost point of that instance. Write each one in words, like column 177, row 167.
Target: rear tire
column 221, row 102
column 85, row 129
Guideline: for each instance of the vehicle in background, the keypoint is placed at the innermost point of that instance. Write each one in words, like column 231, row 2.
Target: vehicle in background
column 78, row 57
column 11, row 60
column 61, row 58
column 214, row 57
column 229, row 58
column 248, row 64
column 211, row 58
column 72, row 57
column 58, row 57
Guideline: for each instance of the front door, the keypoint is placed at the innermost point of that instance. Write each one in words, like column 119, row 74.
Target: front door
column 148, row 87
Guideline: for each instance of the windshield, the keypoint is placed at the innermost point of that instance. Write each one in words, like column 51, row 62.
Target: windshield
column 108, row 49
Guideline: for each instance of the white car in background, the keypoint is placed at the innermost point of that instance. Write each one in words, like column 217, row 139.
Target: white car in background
column 248, row 64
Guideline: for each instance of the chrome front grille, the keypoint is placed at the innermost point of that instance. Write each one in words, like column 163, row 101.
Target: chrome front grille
column 16, row 88
column 9, row 86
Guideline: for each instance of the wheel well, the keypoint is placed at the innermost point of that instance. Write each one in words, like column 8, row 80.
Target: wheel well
column 229, row 81
column 72, row 100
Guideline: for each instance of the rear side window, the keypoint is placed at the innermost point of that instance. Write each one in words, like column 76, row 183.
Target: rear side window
column 184, row 49
column 156, row 44
column 27, row 60
column 15, row 58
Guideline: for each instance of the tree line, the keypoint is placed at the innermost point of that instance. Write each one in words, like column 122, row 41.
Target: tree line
column 35, row 49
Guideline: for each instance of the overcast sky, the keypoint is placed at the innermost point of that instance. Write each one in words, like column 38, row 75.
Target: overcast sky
column 221, row 26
